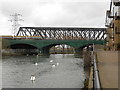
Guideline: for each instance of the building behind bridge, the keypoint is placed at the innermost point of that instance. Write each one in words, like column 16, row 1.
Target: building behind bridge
column 113, row 26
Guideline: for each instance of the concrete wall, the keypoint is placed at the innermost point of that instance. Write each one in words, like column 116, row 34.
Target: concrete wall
column 87, row 68
column 0, row 43
column 108, row 68
column 0, row 49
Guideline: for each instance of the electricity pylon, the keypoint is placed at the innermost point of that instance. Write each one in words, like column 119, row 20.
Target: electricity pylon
column 15, row 19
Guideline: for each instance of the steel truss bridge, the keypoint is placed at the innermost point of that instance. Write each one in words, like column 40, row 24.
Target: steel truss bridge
column 43, row 38
column 63, row 33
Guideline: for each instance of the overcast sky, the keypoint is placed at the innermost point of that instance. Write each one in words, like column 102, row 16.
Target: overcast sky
column 75, row 13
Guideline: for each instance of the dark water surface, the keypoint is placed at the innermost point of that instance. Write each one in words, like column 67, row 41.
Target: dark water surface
column 17, row 70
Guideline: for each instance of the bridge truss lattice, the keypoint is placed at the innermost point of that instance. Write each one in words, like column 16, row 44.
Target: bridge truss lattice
column 63, row 33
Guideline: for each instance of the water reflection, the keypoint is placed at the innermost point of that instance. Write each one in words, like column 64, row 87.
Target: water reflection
column 57, row 71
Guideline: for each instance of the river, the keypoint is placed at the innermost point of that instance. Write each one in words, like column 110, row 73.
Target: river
column 57, row 71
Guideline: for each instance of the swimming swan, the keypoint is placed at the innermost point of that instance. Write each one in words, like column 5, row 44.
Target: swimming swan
column 57, row 64
column 36, row 64
column 51, row 60
column 53, row 65
column 32, row 78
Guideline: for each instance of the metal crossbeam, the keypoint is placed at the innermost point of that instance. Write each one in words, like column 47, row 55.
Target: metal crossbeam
column 63, row 33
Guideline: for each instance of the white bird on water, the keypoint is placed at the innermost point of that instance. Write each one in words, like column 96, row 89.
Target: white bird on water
column 57, row 64
column 37, row 56
column 51, row 60
column 32, row 78
column 53, row 65
column 36, row 64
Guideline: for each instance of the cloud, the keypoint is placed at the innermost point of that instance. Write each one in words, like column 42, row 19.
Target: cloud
column 81, row 13
column 4, row 25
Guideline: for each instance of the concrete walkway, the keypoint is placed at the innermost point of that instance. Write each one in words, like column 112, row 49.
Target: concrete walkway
column 108, row 68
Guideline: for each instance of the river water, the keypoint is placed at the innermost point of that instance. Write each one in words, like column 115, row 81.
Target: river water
column 57, row 71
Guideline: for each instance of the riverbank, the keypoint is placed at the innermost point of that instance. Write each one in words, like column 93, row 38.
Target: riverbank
column 87, row 67
column 107, row 62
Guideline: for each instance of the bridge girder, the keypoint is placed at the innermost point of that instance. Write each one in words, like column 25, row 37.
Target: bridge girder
column 63, row 33
column 45, row 45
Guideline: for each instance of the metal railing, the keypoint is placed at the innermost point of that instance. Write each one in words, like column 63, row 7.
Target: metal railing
column 96, row 78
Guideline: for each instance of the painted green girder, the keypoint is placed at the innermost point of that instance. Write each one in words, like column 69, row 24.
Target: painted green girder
column 49, row 43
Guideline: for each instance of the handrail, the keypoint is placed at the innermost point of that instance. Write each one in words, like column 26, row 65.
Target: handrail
column 96, row 78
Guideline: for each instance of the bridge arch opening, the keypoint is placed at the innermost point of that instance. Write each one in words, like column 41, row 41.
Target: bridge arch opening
column 58, row 49
column 90, row 46
column 24, row 48
column 62, row 49
column 66, row 49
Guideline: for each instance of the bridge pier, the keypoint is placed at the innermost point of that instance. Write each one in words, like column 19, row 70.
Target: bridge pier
column 44, row 52
column 78, row 52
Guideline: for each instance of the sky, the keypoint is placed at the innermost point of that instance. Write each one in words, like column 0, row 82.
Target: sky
column 53, row 13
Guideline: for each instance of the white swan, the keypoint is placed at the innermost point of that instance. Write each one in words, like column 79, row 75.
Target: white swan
column 36, row 64
column 32, row 78
column 37, row 55
column 57, row 64
column 53, row 65
column 51, row 60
